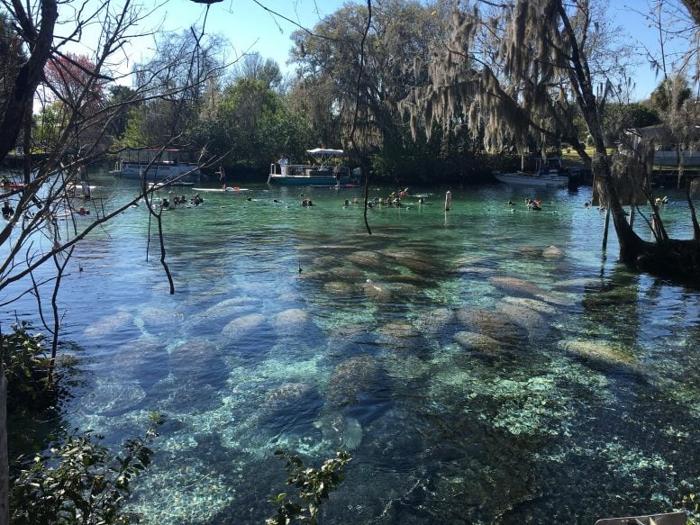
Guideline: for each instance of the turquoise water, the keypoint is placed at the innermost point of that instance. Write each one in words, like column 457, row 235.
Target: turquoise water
column 474, row 376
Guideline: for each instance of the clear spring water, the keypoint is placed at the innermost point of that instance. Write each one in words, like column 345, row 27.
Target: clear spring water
column 473, row 378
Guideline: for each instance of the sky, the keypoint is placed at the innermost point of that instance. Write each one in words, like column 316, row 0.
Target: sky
column 248, row 27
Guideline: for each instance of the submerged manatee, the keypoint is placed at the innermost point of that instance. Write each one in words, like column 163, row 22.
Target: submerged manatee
column 399, row 335
column 434, row 321
column 479, row 342
column 367, row 259
column 597, row 351
column 496, row 326
column 347, row 273
column 243, row 326
column 350, row 379
column 552, row 252
column 338, row 288
column 112, row 398
column 155, row 318
column 517, row 286
column 197, row 360
column 377, row 292
column 221, row 311
column 109, row 324
column 291, row 321
column 533, row 304
column 529, row 319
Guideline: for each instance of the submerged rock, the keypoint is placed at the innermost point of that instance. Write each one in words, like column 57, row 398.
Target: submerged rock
column 516, row 286
column 597, row 350
column 475, row 341
column 243, row 326
column 533, row 304
column 109, row 324
column 350, row 379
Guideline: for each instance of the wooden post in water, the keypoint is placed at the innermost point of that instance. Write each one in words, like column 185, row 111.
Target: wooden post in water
column 4, row 463
column 607, row 226
column 632, row 208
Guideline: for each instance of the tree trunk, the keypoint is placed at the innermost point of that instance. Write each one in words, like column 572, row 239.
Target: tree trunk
column 4, row 463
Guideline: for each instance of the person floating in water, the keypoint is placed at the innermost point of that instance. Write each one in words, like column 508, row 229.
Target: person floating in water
column 347, row 203
column 165, row 204
column 511, row 203
column 306, row 203
column 197, row 200
column 7, row 211
column 533, row 204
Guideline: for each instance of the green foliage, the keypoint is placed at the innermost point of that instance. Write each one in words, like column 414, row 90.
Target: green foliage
column 79, row 481
column 670, row 94
column 27, row 368
column 313, row 486
column 691, row 504
column 619, row 117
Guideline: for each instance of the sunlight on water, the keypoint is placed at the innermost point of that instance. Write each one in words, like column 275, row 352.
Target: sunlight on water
column 483, row 365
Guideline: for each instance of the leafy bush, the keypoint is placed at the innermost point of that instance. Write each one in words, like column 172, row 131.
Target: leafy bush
column 27, row 368
column 314, row 486
column 79, row 481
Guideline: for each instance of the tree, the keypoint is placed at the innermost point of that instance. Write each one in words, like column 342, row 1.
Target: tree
column 521, row 70
column 670, row 94
column 33, row 237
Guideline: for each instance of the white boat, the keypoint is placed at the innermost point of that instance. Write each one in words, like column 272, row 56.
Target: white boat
column 155, row 165
column 326, row 171
column 549, row 173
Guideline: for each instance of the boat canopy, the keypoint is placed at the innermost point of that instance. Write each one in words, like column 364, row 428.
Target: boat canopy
column 323, row 152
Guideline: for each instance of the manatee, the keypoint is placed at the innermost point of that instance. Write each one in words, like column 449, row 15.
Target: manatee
column 556, row 298
column 286, row 394
column 347, row 273
column 583, row 282
column 350, row 379
column 376, row 292
column 398, row 334
column 324, row 260
column 197, row 360
column 529, row 251
column 144, row 353
column 596, row 350
column 405, row 289
column 109, row 324
column 492, row 324
column 476, row 270
column 221, row 311
column 514, row 285
column 338, row 288
column 434, row 321
column 158, row 318
column 409, row 278
column 293, row 320
column 533, row 304
column 243, row 326
column 412, row 261
column 366, row 259
column 529, row 319
column 552, row 252
column 480, row 342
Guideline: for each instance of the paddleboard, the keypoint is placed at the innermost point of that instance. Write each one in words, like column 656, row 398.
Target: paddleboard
column 220, row 190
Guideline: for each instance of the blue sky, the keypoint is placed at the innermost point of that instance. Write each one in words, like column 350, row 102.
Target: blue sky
column 248, row 27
